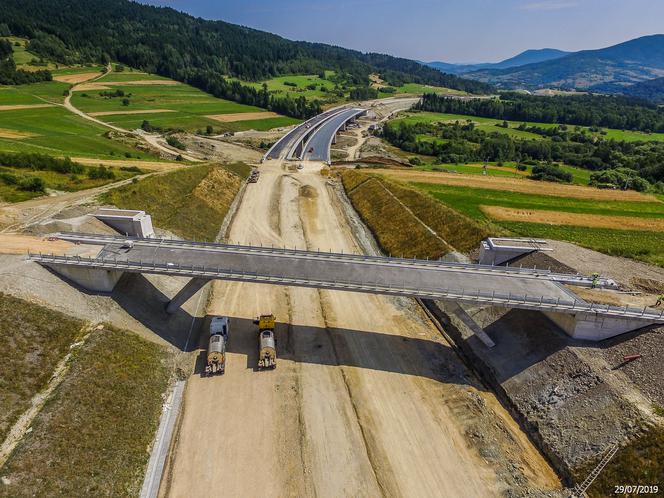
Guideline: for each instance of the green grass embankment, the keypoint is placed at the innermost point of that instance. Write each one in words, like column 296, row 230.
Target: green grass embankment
column 396, row 215
column 33, row 340
column 190, row 202
column 643, row 245
column 91, row 436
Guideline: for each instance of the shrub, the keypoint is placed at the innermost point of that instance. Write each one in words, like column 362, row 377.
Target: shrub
column 415, row 161
column 550, row 173
column 174, row 142
column 622, row 178
column 32, row 184
column 100, row 173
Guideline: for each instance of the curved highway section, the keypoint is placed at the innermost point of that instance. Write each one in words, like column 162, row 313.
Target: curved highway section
column 318, row 146
column 288, row 142
column 312, row 139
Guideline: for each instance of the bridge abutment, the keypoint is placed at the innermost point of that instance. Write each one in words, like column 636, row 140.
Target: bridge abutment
column 91, row 279
column 594, row 327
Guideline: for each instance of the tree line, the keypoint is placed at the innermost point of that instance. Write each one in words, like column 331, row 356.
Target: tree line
column 622, row 113
column 9, row 75
column 461, row 142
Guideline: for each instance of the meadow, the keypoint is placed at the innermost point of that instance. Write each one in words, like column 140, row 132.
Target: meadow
column 471, row 201
column 54, row 130
column 490, row 125
column 92, row 435
column 166, row 104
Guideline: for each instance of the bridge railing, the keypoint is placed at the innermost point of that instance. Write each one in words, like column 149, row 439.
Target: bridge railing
column 540, row 303
column 329, row 255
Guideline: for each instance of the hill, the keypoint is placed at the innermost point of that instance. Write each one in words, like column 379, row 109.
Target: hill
column 200, row 52
column 652, row 90
column 623, row 64
column 532, row 56
column 527, row 57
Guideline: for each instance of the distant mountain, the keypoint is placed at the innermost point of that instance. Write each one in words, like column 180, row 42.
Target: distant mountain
column 652, row 90
column 619, row 65
column 526, row 57
column 532, row 56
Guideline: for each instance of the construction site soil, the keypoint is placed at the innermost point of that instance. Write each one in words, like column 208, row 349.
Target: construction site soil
column 369, row 398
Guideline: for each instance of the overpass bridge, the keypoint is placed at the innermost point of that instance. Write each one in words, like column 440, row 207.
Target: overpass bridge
column 531, row 289
column 312, row 139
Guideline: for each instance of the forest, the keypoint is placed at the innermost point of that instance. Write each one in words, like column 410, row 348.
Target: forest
column 463, row 143
column 622, row 113
column 200, row 52
column 9, row 75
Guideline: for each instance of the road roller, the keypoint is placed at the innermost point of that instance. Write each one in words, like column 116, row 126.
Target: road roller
column 267, row 347
column 216, row 353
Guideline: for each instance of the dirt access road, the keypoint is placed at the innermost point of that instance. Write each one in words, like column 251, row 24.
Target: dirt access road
column 367, row 398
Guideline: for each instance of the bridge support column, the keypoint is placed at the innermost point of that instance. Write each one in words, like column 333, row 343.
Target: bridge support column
column 91, row 279
column 191, row 288
column 462, row 315
column 592, row 327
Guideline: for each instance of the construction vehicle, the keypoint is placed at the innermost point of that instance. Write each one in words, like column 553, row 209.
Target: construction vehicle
column 267, row 347
column 216, row 353
column 253, row 177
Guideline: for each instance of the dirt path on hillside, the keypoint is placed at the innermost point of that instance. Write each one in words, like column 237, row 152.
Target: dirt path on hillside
column 155, row 141
column 367, row 399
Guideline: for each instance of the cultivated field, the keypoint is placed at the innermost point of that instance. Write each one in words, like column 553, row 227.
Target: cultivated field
column 623, row 223
column 48, row 128
column 127, row 99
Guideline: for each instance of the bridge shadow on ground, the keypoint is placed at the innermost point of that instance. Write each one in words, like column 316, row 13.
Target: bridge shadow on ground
column 346, row 347
column 381, row 351
column 528, row 340
column 141, row 299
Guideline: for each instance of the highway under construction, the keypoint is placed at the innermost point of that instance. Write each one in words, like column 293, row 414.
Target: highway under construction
column 372, row 395
column 523, row 288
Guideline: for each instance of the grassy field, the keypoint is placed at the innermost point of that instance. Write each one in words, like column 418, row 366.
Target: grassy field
column 33, row 340
column 645, row 245
column 640, row 462
column 312, row 86
column 180, row 106
column 56, row 131
column 489, row 125
column 54, row 181
column 24, row 58
column 91, row 436
column 418, row 89
column 388, row 208
column 53, row 130
column 190, row 202
column 300, row 85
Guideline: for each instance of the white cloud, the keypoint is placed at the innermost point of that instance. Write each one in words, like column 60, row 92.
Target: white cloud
column 552, row 5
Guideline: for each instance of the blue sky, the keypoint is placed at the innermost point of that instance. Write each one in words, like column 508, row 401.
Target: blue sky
column 447, row 30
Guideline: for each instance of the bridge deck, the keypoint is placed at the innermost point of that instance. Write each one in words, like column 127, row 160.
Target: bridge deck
column 426, row 279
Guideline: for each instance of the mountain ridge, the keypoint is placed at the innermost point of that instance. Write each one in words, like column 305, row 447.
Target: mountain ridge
column 526, row 57
column 623, row 64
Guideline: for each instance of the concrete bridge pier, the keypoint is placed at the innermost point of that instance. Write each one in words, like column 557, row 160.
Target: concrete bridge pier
column 92, row 279
column 191, row 288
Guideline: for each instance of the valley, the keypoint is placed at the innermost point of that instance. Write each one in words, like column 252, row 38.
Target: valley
column 236, row 264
